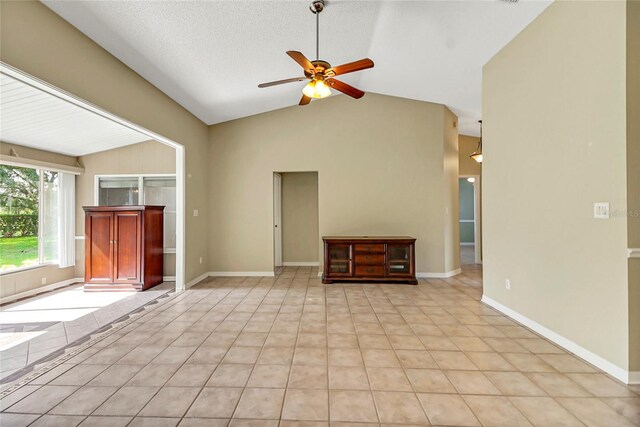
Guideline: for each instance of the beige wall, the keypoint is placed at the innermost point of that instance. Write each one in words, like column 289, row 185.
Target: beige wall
column 300, row 240
column 149, row 157
column 39, row 42
column 633, row 177
column 466, row 146
column 380, row 163
column 22, row 281
column 560, row 112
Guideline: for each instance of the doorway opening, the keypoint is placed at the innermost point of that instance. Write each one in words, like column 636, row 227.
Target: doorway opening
column 75, row 154
column 295, row 220
column 470, row 222
column 179, row 157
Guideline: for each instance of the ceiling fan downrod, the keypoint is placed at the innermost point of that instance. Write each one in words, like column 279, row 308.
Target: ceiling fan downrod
column 316, row 7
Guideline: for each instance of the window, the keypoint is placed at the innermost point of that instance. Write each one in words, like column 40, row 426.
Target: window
column 132, row 190
column 118, row 191
column 31, row 206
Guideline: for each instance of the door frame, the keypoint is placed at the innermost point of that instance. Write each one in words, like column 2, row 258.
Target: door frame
column 477, row 212
column 180, row 155
column 277, row 219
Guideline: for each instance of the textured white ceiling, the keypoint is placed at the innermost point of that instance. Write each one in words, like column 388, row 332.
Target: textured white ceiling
column 210, row 55
column 33, row 118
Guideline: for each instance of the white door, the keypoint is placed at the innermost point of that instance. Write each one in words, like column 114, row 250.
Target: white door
column 277, row 219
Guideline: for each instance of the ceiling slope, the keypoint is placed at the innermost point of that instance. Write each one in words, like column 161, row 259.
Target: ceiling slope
column 210, row 56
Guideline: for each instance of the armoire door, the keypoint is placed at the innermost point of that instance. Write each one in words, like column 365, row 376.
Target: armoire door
column 127, row 247
column 99, row 247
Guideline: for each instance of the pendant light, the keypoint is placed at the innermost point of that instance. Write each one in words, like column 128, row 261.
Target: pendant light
column 477, row 155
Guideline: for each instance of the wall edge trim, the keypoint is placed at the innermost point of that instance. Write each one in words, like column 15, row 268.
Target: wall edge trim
column 444, row 275
column 41, row 289
column 590, row 357
column 241, row 273
column 300, row 264
column 196, row 280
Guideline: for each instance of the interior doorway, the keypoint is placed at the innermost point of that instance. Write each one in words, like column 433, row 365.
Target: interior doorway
column 76, row 154
column 180, row 188
column 470, row 221
column 295, row 219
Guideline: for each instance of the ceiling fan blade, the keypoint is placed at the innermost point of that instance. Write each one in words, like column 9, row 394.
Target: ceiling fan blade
column 345, row 88
column 280, row 82
column 362, row 64
column 305, row 100
column 302, row 60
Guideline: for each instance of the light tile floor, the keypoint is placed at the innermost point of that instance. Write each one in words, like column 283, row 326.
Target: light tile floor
column 37, row 328
column 290, row 351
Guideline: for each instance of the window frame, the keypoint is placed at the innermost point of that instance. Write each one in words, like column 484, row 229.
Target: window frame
column 41, row 263
column 140, row 177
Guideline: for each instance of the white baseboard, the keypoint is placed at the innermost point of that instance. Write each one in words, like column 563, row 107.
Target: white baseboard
column 229, row 274
column 467, row 243
column 610, row 368
column 168, row 278
column 300, row 264
column 241, row 273
column 41, row 289
column 197, row 280
column 439, row 275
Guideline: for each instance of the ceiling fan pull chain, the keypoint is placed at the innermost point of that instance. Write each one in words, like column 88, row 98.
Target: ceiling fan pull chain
column 317, row 35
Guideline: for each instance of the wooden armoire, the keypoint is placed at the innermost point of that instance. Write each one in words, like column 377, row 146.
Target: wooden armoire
column 123, row 247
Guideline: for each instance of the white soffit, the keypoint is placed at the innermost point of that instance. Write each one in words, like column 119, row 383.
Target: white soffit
column 36, row 119
column 210, row 55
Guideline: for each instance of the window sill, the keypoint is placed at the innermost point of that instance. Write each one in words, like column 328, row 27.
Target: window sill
column 31, row 267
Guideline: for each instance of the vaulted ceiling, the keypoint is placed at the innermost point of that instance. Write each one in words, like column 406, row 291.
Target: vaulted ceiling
column 209, row 56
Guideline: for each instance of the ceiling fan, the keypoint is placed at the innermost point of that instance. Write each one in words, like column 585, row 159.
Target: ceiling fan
column 320, row 73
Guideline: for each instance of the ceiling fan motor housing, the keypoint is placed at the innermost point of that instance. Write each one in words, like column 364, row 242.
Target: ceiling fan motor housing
column 320, row 67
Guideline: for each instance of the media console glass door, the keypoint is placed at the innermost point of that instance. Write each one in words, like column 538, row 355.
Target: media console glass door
column 399, row 260
column 341, row 260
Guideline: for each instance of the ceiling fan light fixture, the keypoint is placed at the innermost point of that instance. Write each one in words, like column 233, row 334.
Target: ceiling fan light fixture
column 316, row 89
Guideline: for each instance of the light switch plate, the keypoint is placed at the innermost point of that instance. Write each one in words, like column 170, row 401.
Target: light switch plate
column 195, row 212
column 601, row 210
